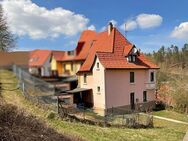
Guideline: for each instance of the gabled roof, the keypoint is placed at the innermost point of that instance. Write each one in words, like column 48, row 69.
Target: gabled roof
column 112, row 51
column 39, row 57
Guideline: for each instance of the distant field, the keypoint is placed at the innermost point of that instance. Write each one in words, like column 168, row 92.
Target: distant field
column 163, row 131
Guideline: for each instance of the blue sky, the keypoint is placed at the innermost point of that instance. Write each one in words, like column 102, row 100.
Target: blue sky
column 163, row 22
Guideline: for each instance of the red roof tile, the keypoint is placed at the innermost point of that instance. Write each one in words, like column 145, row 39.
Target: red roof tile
column 18, row 58
column 102, row 43
column 58, row 55
column 39, row 57
column 112, row 51
column 84, row 44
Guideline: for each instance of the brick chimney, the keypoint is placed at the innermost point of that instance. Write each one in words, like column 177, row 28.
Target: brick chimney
column 110, row 27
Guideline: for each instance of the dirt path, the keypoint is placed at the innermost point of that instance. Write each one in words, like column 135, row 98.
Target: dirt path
column 186, row 137
column 168, row 119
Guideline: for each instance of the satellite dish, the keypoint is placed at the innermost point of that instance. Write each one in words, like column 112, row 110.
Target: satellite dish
column 135, row 50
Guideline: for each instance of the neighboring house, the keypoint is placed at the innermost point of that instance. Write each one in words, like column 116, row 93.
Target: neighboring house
column 56, row 64
column 71, row 61
column 115, row 74
column 39, row 63
column 20, row 58
column 63, row 64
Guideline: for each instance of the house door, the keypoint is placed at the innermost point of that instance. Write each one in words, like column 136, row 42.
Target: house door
column 39, row 71
column 132, row 104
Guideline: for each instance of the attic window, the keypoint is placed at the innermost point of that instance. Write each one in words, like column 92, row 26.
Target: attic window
column 70, row 53
column 97, row 65
column 34, row 59
column 132, row 58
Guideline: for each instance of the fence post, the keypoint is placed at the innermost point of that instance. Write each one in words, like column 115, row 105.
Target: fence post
column 57, row 104
column 23, row 88
column 105, row 121
column 123, row 119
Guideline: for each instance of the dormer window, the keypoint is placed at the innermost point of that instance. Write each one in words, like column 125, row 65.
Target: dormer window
column 70, row 53
column 133, row 54
column 132, row 58
column 34, row 59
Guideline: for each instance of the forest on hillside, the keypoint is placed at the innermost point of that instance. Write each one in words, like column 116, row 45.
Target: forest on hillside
column 172, row 56
column 172, row 78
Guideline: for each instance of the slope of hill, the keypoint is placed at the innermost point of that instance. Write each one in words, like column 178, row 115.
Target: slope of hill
column 163, row 130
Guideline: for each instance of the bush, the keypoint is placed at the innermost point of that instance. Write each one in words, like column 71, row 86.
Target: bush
column 51, row 115
column 159, row 105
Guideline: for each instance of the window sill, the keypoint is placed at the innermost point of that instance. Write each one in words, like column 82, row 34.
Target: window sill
column 85, row 83
column 98, row 69
column 132, row 83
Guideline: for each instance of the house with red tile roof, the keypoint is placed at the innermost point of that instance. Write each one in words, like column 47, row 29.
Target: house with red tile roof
column 114, row 73
column 40, row 63
column 56, row 63
column 20, row 58
column 69, row 62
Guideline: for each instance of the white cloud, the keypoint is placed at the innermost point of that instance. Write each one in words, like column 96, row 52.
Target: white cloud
column 91, row 27
column 181, row 31
column 129, row 25
column 103, row 28
column 27, row 18
column 149, row 20
column 142, row 21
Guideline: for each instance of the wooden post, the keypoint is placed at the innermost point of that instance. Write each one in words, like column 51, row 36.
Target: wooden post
column 57, row 104
column 23, row 88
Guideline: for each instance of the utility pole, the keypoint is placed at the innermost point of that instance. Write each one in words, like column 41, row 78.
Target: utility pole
column 126, row 31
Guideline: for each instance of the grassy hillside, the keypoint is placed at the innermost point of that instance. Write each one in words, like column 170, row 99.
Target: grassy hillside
column 17, row 124
column 163, row 131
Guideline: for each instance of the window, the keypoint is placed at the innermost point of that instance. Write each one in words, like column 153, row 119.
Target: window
column 85, row 78
column 132, row 58
column 131, row 77
column 70, row 53
column 64, row 66
column 152, row 76
column 144, row 96
column 98, row 89
column 71, row 66
column 97, row 65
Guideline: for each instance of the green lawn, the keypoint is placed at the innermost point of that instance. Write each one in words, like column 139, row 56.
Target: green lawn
column 172, row 115
column 163, row 131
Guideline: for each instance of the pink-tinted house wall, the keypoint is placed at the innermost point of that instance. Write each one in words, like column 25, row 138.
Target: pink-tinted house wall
column 118, row 87
column 115, row 87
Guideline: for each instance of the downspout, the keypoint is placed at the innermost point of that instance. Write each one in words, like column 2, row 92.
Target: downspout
column 105, row 90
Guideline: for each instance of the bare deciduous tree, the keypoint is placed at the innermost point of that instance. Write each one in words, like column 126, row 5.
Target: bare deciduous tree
column 7, row 39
